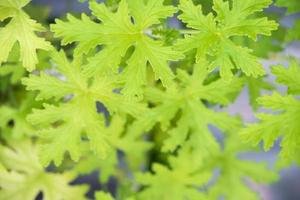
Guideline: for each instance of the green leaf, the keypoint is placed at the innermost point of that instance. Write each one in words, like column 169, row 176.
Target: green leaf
column 283, row 124
column 134, row 149
column 235, row 173
column 212, row 36
column 194, row 117
column 292, row 6
column 255, row 86
column 103, row 196
column 293, row 32
column 62, row 126
column 180, row 181
column 20, row 29
column 288, row 76
column 12, row 119
column 106, row 196
column 116, row 34
column 24, row 177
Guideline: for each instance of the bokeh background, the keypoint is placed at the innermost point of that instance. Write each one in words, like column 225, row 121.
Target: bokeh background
column 288, row 188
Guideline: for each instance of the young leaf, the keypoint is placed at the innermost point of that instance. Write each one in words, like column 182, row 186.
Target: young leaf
column 78, row 116
column 194, row 115
column 24, row 178
column 116, row 33
column 180, row 181
column 285, row 123
column 20, row 29
column 213, row 34
column 133, row 148
column 231, row 183
column 288, row 76
column 12, row 119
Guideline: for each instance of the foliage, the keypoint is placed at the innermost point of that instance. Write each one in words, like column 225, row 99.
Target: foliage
column 284, row 122
column 78, row 115
column 292, row 7
column 23, row 177
column 22, row 29
column 128, row 94
column 215, row 33
column 116, row 33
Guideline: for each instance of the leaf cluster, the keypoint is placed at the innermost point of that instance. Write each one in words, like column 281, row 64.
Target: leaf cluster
column 125, row 94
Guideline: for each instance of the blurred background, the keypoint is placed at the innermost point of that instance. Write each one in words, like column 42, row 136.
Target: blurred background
column 288, row 188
